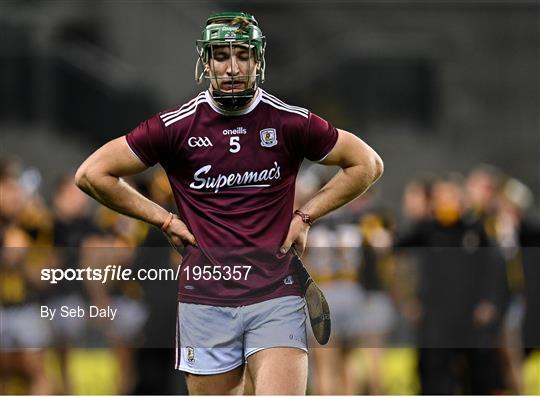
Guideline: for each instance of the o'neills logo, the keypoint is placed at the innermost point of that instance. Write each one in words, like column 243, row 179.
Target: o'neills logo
column 237, row 180
column 236, row 131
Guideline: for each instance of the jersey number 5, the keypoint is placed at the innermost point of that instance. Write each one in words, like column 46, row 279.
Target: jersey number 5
column 235, row 144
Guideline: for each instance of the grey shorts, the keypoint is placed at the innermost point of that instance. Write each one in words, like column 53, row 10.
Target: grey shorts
column 213, row 339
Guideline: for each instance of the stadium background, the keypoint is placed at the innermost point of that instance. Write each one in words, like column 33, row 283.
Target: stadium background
column 433, row 86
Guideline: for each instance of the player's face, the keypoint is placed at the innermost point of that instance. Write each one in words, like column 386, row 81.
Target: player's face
column 232, row 71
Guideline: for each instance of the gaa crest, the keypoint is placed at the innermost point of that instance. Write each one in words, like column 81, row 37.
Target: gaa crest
column 268, row 137
column 190, row 355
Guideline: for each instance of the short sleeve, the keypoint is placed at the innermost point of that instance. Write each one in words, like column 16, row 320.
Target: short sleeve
column 149, row 141
column 319, row 139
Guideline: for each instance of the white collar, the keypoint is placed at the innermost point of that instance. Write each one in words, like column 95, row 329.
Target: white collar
column 240, row 112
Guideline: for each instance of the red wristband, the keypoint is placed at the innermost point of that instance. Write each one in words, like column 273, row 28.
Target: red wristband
column 305, row 217
column 167, row 221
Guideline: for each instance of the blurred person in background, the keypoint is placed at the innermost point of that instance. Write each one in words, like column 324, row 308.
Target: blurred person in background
column 489, row 204
column 416, row 209
column 72, row 225
column 377, row 278
column 117, row 243
column 343, row 259
column 461, row 293
column 513, row 202
column 23, row 333
column 333, row 259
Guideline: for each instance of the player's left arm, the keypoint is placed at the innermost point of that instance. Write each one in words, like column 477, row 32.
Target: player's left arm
column 360, row 166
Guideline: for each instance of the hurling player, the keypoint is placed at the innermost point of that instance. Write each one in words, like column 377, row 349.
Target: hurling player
column 232, row 154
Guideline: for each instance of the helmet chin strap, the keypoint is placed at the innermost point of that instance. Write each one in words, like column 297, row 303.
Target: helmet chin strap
column 232, row 100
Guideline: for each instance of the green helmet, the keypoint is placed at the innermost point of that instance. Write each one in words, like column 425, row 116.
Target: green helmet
column 231, row 29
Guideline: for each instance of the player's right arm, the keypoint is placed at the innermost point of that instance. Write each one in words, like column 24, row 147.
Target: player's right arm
column 100, row 176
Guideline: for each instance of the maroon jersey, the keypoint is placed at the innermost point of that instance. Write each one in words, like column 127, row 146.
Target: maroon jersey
column 233, row 177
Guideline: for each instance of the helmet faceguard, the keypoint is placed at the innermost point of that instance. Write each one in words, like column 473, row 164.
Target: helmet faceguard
column 231, row 29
